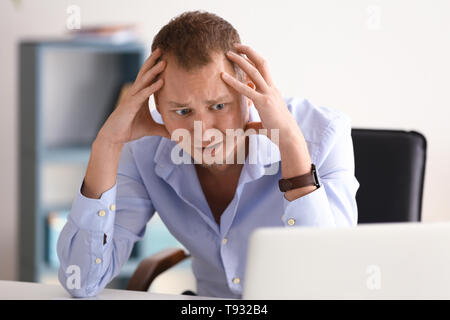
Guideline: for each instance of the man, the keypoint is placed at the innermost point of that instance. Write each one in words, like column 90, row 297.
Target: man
column 207, row 93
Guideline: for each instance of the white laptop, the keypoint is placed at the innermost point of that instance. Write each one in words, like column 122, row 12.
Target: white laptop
column 376, row 261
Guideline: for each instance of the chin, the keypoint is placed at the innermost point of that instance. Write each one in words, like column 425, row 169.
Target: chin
column 213, row 166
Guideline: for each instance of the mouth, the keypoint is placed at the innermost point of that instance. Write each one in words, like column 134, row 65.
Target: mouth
column 211, row 146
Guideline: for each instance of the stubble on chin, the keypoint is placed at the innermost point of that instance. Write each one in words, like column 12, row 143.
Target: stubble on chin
column 212, row 165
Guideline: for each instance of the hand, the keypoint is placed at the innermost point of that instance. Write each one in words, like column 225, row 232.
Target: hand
column 274, row 114
column 131, row 119
column 266, row 97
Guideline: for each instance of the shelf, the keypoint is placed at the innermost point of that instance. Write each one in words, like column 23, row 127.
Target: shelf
column 59, row 119
column 89, row 46
column 66, row 155
column 56, row 207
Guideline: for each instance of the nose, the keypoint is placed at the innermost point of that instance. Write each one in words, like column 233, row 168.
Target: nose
column 205, row 131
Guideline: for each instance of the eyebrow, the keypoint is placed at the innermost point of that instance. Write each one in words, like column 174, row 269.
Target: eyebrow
column 213, row 101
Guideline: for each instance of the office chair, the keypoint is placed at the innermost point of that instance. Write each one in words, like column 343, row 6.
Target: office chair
column 390, row 167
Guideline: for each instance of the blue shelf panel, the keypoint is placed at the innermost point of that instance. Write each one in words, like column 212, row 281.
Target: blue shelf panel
column 60, row 116
column 66, row 155
column 90, row 46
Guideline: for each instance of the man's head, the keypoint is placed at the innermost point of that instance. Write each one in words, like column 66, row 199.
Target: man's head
column 194, row 46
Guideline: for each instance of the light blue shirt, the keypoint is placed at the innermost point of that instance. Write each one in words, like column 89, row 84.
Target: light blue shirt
column 148, row 181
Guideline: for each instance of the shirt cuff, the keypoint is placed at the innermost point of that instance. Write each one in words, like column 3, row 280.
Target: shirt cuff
column 311, row 209
column 94, row 214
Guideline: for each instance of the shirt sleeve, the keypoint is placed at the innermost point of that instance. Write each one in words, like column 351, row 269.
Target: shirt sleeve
column 333, row 204
column 87, row 263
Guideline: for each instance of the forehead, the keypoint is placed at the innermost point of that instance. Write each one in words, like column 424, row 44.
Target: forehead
column 202, row 83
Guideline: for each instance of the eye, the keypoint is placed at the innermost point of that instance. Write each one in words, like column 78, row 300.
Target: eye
column 182, row 112
column 218, row 106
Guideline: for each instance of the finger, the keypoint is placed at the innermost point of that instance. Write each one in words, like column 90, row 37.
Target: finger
column 145, row 93
column 258, row 60
column 148, row 77
column 240, row 87
column 123, row 92
column 250, row 70
column 249, row 61
column 151, row 60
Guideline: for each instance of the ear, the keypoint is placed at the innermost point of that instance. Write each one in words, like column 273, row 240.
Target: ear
column 155, row 99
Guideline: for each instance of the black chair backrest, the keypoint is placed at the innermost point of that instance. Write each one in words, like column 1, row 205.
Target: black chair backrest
column 390, row 167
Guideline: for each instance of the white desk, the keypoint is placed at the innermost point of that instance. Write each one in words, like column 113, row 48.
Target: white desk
column 13, row 290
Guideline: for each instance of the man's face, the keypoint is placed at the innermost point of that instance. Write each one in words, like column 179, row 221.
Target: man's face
column 202, row 95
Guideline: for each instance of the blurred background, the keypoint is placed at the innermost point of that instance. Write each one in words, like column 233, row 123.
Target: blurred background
column 384, row 63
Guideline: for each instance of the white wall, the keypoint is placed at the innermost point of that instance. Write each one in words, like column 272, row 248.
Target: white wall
column 385, row 63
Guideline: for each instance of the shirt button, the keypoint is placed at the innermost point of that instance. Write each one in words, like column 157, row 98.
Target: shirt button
column 291, row 222
column 236, row 280
column 112, row 207
column 224, row 240
column 102, row 213
column 98, row 261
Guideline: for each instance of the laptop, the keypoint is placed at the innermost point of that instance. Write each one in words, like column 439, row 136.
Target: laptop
column 373, row 261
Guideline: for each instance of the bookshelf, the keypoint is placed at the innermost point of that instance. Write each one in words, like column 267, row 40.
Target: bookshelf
column 67, row 90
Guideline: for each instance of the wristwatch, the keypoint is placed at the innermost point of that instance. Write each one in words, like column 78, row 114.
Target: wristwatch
column 309, row 179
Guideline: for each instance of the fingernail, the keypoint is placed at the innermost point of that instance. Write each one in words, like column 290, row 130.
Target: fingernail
column 226, row 75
